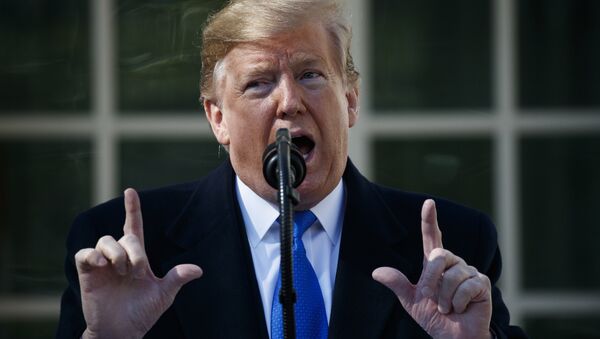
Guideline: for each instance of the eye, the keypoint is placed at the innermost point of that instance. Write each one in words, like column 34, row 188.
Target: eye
column 310, row 75
column 312, row 79
column 254, row 86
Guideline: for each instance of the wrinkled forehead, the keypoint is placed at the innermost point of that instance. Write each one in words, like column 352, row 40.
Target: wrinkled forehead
column 260, row 56
column 305, row 46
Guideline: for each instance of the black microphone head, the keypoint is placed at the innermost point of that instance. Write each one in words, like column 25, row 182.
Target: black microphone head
column 270, row 165
column 297, row 163
column 297, row 166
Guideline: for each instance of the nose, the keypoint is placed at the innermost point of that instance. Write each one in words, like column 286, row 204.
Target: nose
column 289, row 97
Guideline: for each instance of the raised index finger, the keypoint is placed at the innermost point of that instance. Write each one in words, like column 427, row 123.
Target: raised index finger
column 133, row 215
column 432, row 236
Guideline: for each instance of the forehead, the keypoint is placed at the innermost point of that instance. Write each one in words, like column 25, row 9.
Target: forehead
column 309, row 44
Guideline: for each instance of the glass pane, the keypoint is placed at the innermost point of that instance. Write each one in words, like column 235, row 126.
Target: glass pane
column 563, row 328
column 159, row 54
column 44, row 59
column 456, row 169
column 27, row 329
column 431, row 54
column 43, row 185
column 153, row 163
column 559, row 53
column 559, row 182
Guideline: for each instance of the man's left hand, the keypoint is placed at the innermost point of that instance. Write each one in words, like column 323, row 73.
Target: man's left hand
column 451, row 299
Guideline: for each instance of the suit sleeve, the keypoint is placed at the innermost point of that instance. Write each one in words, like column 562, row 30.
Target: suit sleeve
column 500, row 323
column 72, row 323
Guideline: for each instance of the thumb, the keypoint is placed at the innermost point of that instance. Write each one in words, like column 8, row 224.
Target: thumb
column 179, row 276
column 397, row 282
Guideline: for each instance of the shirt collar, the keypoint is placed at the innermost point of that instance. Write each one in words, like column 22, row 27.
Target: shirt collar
column 329, row 212
column 259, row 215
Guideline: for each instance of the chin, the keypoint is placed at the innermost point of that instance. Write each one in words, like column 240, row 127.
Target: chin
column 311, row 192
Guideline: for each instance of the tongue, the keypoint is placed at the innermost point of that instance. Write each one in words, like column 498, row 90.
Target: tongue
column 304, row 149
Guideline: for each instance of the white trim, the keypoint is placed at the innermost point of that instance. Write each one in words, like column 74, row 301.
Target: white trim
column 44, row 126
column 401, row 124
column 506, row 161
column 171, row 125
column 361, row 134
column 104, row 87
column 548, row 304
column 434, row 124
column 559, row 304
column 30, row 307
column 559, row 123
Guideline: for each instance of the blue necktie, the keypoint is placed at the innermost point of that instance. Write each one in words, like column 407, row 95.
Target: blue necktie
column 311, row 319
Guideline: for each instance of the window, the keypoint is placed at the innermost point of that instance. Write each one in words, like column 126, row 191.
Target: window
column 93, row 93
column 495, row 104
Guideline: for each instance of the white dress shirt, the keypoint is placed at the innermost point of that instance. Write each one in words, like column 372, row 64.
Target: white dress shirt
column 321, row 240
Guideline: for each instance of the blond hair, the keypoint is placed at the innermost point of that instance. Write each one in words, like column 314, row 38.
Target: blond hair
column 251, row 20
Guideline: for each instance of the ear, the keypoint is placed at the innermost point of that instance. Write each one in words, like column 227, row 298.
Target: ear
column 352, row 97
column 214, row 114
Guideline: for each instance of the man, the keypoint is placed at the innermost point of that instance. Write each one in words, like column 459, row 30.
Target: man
column 270, row 65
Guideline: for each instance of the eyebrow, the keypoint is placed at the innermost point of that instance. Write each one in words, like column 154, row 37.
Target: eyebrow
column 266, row 66
column 260, row 68
column 306, row 59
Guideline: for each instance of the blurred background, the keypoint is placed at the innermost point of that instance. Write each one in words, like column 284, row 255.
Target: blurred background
column 493, row 103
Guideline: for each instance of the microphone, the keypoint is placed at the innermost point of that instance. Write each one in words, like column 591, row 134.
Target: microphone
column 284, row 169
column 271, row 154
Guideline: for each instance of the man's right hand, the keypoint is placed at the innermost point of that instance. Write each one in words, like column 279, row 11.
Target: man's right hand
column 120, row 295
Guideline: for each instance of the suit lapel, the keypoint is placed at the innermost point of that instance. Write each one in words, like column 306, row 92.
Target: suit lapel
column 371, row 237
column 225, row 302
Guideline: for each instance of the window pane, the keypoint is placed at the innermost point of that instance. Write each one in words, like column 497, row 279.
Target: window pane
column 159, row 54
column 43, row 185
column 456, row 169
column 586, row 327
column 559, row 182
column 431, row 54
column 559, row 53
column 30, row 329
column 153, row 163
column 44, row 56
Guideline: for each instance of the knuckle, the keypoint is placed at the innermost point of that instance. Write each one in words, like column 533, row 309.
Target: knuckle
column 135, row 261
column 464, row 292
column 471, row 288
column 472, row 283
column 459, row 303
column 437, row 261
column 453, row 275
column 137, row 258
column 105, row 240
column 438, row 253
column 128, row 239
column 485, row 280
column 82, row 254
column 450, row 280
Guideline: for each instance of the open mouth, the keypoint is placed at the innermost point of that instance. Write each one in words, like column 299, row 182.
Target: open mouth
column 304, row 144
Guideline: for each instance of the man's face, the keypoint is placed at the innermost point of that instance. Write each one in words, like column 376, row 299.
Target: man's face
column 288, row 81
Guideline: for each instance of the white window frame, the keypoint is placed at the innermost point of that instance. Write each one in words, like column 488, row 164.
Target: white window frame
column 504, row 126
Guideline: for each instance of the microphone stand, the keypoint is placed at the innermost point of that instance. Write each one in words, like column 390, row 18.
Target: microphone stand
column 287, row 197
column 284, row 177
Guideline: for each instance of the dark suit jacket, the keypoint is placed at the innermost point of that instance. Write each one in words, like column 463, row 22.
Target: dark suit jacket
column 201, row 223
